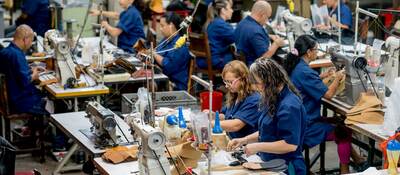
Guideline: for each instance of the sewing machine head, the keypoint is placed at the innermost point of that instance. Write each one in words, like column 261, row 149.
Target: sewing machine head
column 103, row 124
column 354, row 68
column 152, row 159
column 297, row 24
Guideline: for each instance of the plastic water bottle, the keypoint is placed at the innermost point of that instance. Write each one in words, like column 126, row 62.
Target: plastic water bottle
column 393, row 152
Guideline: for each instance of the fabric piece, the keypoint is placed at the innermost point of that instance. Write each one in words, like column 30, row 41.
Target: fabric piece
column 364, row 102
column 366, row 118
column 121, row 154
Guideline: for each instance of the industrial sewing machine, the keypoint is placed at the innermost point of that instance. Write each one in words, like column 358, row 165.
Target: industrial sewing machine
column 103, row 125
column 392, row 69
column 152, row 159
column 355, row 82
column 296, row 24
column 65, row 66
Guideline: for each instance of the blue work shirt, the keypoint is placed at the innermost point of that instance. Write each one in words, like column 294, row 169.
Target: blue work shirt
column 23, row 95
column 38, row 12
column 175, row 63
column 288, row 124
column 247, row 111
column 251, row 39
column 131, row 24
column 312, row 89
column 220, row 37
column 346, row 17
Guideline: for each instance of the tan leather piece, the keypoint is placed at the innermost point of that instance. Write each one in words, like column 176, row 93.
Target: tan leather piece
column 121, row 154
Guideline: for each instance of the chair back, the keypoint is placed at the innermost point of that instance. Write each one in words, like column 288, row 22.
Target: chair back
column 200, row 48
column 4, row 109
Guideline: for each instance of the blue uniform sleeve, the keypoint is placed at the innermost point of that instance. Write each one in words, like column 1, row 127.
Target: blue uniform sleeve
column 21, row 69
column 175, row 60
column 260, row 43
column 313, row 85
column 289, row 123
column 29, row 7
column 127, row 21
column 223, row 110
column 248, row 112
column 227, row 33
column 346, row 17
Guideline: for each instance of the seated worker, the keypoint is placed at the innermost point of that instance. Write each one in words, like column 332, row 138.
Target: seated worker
column 282, row 123
column 250, row 37
column 220, row 34
column 174, row 63
column 24, row 96
column 312, row 89
column 35, row 14
column 346, row 19
column 240, row 115
column 129, row 28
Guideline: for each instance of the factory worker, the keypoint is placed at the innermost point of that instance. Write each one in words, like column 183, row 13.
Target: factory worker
column 282, row 123
column 36, row 14
column 240, row 115
column 250, row 37
column 129, row 28
column 346, row 19
column 220, row 34
column 174, row 63
column 312, row 89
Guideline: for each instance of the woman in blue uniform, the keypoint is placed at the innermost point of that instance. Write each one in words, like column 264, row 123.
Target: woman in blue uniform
column 220, row 34
column 312, row 89
column 175, row 62
column 129, row 28
column 240, row 115
column 35, row 14
column 282, row 123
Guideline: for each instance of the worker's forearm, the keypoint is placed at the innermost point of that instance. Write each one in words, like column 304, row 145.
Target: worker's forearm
column 277, row 147
column 111, row 14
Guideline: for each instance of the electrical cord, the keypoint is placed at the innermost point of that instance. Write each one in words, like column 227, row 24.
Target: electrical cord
column 170, row 155
column 158, row 159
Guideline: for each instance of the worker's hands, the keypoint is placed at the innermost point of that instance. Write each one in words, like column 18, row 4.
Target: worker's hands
column 94, row 12
column 35, row 72
column 339, row 75
column 322, row 27
column 328, row 73
column 104, row 24
column 250, row 149
column 236, row 143
column 278, row 40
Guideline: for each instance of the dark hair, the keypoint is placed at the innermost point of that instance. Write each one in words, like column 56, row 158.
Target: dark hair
column 174, row 18
column 214, row 9
column 273, row 76
column 302, row 45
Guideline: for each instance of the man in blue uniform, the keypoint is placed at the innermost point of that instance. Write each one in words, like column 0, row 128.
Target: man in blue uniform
column 129, row 28
column 24, row 96
column 174, row 63
column 250, row 37
column 36, row 14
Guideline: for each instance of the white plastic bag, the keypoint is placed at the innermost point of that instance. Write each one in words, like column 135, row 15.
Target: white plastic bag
column 392, row 115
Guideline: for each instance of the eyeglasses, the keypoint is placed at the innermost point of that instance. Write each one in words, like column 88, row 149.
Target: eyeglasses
column 230, row 83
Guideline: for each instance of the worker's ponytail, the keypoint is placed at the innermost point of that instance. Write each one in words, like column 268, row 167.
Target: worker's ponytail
column 302, row 45
column 214, row 10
